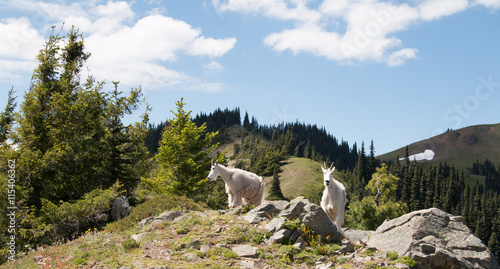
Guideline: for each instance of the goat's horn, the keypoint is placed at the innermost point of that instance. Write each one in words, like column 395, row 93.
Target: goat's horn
column 324, row 165
column 212, row 161
column 331, row 166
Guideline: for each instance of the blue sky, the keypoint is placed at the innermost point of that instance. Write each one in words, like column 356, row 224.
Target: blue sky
column 394, row 72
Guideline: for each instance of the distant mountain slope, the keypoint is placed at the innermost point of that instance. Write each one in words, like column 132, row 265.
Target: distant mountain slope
column 461, row 147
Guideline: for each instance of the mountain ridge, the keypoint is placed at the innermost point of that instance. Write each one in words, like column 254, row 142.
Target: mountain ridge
column 462, row 147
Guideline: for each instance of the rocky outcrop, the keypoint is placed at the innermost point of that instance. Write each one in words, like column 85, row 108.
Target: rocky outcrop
column 431, row 237
column 434, row 239
column 300, row 208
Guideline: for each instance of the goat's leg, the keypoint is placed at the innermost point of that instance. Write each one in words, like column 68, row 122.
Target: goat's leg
column 230, row 199
column 237, row 199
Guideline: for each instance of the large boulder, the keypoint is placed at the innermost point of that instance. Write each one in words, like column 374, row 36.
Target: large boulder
column 300, row 208
column 433, row 238
column 265, row 211
column 318, row 221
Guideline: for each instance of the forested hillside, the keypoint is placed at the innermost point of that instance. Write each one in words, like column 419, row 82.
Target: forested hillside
column 474, row 193
column 66, row 154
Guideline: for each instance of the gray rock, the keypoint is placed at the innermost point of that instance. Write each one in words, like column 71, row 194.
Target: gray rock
column 145, row 222
column 295, row 235
column 357, row 235
column 245, row 251
column 295, row 208
column 138, row 237
column 275, row 224
column 433, row 238
column 300, row 243
column 206, row 247
column 221, row 246
column 265, row 211
column 248, row 264
column 191, row 257
column 316, row 219
column 170, row 215
column 346, row 247
column 279, row 236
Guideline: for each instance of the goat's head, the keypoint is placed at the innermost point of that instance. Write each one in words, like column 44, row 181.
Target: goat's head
column 126, row 204
column 327, row 174
column 214, row 170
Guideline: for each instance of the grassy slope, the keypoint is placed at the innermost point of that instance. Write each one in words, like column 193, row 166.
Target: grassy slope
column 453, row 147
column 301, row 177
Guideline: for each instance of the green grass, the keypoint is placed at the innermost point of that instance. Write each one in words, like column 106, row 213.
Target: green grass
column 301, row 177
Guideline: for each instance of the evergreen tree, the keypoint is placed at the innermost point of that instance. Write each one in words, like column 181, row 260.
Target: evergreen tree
column 415, row 190
column 7, row 116
column 307, row 150
column 246, row 122
column 466, row 204
column 362, row 173
column 183, row 157
column 429, row 187
column 372, row 161
column 437, row 186
column 63, row 127
column 275, row 192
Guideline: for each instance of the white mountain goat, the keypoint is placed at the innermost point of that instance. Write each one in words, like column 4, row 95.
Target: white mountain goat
column 120, row 208
column 241, row 186
column 334, row 197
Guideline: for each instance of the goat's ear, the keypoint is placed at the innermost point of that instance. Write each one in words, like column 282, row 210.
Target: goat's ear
column 323, row 169
column 333, row 169
column 216, row 162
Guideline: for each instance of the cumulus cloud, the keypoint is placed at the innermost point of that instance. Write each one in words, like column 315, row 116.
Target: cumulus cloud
column 348, row 31
column 494, row 4
column 125, row 48
column 18, row 47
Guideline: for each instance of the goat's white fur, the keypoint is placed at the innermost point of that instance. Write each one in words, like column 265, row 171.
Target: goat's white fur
column 120, row 208
column 334, row 197
column 241, row 186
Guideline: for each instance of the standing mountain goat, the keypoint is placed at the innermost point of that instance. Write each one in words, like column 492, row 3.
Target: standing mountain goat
column 334, row 197
column 120, row 208
column 241, row 186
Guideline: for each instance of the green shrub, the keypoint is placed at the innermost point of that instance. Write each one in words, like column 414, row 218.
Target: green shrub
column 408, row 261
column 153, row 207
column 392, row 255
column 221, row 254
column 130, row 244
column 54, row 223
column 182, row 230
column 244, row 209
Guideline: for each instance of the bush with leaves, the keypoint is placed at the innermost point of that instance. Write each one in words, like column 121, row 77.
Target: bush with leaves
column 380, row 205
column 56, row 222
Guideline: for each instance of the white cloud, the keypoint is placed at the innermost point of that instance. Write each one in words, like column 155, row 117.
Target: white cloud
column 281, row 9
column 213, row 66
column 134, row 51
column 348, row 31
column 130, row 54
column 494, row 4
column 401, row 56
column 19, row 46
column 435, row 9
